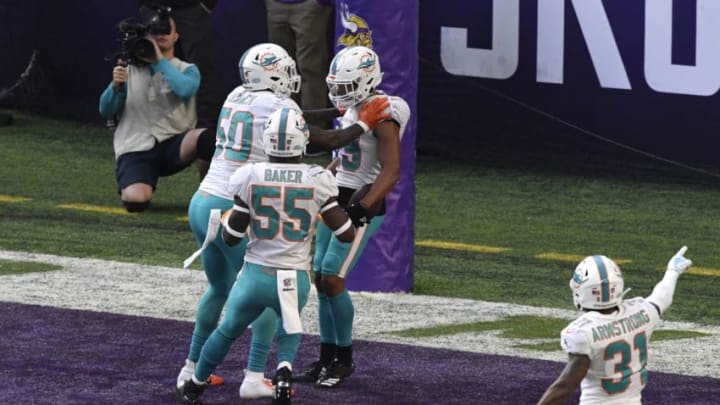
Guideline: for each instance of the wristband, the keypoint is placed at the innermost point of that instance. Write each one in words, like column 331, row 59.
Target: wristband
column 364, row 126
column 328, row 206
column 231, row 231
column 343, row 228
column 240, row 208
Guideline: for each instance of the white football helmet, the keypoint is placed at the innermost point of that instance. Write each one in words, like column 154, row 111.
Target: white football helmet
column 354, row 75
column 286, row 134
column 597, row 283
column 269, row 67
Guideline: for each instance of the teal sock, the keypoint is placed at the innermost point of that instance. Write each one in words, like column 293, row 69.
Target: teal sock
column 263, row 330
column 208, row 315
column 287, row 346
column 327, row 324
column 343, row 313
column 213, row 353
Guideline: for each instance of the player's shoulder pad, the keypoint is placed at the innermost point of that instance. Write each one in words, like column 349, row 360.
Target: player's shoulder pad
column 399, row 108
column 575, row 339
column 242, row 173
column 237, row 91
column 316, row 171
column 633, row 302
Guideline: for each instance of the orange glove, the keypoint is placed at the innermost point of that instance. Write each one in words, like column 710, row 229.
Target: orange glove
column 374, row 111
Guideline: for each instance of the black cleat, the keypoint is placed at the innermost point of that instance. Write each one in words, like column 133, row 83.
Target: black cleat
column 190, row 392
column 332, row 375
column 282, row 391
column 311, row 374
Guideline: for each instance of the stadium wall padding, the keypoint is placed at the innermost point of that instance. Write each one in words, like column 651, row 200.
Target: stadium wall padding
column 387, row 263
column 508, row 75
column 575, row 92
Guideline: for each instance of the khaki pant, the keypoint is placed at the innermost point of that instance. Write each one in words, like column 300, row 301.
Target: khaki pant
column 301, row 28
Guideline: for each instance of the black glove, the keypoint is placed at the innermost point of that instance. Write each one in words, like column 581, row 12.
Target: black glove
column 358, row 214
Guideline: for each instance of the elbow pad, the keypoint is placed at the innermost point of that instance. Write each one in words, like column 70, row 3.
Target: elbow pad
column 662, row 294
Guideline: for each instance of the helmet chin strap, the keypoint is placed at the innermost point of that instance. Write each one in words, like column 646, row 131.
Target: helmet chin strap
column 622, row 296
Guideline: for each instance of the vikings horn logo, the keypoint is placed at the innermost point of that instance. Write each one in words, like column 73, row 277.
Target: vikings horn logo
column 357, row 32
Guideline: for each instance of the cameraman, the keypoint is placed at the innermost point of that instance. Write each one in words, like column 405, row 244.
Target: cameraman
column 154, row 98
column 193, row 19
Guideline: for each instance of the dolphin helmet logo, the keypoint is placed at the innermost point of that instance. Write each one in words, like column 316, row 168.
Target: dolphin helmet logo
column 367, row 63
column 268, row 61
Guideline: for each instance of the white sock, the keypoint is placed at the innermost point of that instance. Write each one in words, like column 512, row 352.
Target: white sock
column 254, row 376
column 190, row 364
column 285, row 364
column 197, row 382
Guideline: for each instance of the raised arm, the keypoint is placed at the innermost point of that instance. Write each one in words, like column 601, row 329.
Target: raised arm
column 370, row 114
column 185, row 84
column 317, row 117
column 662, row 294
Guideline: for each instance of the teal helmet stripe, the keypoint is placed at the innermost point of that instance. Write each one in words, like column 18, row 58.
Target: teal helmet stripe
column 604, row 282
column 282, row 129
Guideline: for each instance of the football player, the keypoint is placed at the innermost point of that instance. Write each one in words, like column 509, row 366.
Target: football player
column 373, row 159
column 280, row 201
column 269, row 77
column 607, row 345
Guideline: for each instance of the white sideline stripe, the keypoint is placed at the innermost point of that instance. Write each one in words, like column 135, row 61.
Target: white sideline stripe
column 171, row 293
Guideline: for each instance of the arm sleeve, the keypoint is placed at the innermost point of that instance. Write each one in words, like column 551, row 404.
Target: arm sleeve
column 111, row 101
column 662, row 294
column 185, row 84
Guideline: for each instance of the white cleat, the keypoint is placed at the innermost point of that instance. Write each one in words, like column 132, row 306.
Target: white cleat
column 186, row 373
column 256, row 389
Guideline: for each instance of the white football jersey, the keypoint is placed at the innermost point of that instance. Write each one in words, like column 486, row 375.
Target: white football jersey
column 284, row 200
column 360, row 163
column 617, row 345
column 239, row 135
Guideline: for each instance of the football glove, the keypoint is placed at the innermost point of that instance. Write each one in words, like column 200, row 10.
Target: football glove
column 679, row 263
column 358, row 214
column 374, row 111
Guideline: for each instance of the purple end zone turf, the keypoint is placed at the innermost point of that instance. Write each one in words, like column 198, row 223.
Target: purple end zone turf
column 54, row 356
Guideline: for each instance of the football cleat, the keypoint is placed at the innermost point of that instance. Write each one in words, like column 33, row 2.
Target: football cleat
column 282, row 394
column 189, row 392
column 311, row 374
column 215, row 380
column 256, row 389
column 187, row 372
column 332, row 375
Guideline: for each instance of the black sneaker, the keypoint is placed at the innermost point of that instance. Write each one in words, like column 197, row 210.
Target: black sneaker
column 282, row 391
column 190, row 392
column 332, row 375
column 311, row 374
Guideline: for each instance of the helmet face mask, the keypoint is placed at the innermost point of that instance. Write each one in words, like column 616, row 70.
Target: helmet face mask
column 597, row 283
column 269, row 67
column 286, row 134
column 354, row 75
